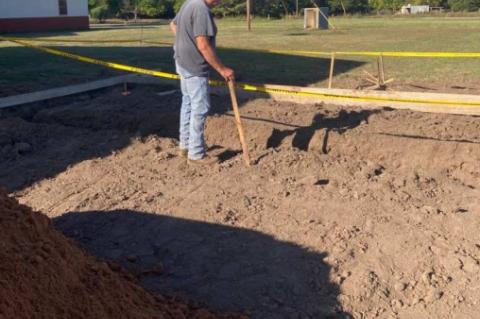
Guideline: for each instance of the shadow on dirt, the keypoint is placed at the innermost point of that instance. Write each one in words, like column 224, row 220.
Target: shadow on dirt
column 302, row 136
column 40, row 140
column 226, row 268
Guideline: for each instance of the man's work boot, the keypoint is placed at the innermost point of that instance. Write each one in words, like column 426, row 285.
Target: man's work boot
column 205, row 160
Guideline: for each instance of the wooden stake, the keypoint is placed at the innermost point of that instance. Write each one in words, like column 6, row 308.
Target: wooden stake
column 332, row 65
column 125, row 92
column 370, row 77
column 381, row 71
column 238, row 122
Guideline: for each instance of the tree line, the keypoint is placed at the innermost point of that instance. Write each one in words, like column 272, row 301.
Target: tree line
column 133, row 9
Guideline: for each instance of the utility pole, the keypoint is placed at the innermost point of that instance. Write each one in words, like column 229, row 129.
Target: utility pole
column 249, row 20
column 296, row 8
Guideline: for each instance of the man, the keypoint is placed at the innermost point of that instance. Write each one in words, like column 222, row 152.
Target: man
column 195, row 33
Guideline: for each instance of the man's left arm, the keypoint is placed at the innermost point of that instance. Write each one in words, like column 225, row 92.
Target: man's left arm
column 173, row 27
column 210, row 55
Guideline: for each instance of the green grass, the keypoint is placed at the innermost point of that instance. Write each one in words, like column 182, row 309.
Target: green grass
column 26, row 69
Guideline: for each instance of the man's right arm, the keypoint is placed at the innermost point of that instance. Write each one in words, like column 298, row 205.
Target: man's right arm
column 208, row 52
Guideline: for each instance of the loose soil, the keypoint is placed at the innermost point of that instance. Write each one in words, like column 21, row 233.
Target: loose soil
column 45, row 275
column 346, row 212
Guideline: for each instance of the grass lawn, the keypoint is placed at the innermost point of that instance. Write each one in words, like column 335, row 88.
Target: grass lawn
column 26, row 70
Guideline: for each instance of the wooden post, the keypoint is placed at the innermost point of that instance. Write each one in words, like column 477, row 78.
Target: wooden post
column 332, row 65
column 249, row 20
column 238, row 122
column 381, row 72
column 125, row 92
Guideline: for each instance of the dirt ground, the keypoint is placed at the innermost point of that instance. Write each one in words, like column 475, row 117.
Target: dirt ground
column 346, row 213
column 45, row 275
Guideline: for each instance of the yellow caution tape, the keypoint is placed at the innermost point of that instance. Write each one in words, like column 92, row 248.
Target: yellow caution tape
column 69, row 40
column 382, row 53
column 83, row 41
column 406, row 54
column 112, row 65
column 245, row 86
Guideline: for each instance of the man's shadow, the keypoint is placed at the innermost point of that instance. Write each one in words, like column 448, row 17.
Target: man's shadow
column 222, row 267
column 302, row 135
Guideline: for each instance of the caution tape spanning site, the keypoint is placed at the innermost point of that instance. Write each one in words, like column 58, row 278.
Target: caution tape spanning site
column 382, row 53
column 305, row 92
column 85, row 40
column 405, row 54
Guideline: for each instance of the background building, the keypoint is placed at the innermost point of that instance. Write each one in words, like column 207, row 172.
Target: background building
column 43, row 15
column 415, row 9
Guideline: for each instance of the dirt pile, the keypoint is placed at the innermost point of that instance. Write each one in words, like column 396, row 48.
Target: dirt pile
column 44, row 275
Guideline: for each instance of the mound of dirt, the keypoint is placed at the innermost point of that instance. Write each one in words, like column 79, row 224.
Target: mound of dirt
column 44, row 275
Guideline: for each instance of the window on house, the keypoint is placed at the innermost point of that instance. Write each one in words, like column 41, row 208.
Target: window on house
column 62, row 6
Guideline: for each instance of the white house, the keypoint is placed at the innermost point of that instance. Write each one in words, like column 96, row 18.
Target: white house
column 43, row 15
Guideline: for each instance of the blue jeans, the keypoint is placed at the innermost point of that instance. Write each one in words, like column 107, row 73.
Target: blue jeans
column 193, row 113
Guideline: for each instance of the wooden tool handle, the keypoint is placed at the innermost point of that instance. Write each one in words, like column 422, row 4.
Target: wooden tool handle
column 238, row 122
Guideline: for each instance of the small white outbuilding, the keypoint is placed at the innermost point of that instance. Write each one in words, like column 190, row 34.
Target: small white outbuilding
column 414, row 9
column 43, row 15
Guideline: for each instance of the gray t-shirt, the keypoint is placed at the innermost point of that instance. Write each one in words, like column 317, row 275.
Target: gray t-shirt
column 194, row 19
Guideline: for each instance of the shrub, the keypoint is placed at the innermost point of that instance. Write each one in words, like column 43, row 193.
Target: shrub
column 100, row 13
column 464, row 5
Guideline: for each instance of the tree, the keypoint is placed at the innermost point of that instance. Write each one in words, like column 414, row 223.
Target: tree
column 393, row 5
column 101, row 9
column 350, row 6
column 100, row 13
column 156, row 8
column 177, row 4
column 432, row 3
column 272, row 8
column 131, row 7
column 230, row 8
column 464, row 5
column 114, row 6
column 336, row 5
column 94, row 3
